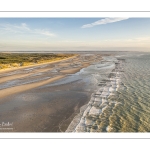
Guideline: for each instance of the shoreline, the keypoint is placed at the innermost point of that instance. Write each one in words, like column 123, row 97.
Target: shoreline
column 97, row 105
column 24, row 103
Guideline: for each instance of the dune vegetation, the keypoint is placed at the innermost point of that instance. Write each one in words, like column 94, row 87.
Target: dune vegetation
column 11, row 60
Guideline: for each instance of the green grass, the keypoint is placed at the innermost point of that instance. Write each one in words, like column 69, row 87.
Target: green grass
column 9, row 60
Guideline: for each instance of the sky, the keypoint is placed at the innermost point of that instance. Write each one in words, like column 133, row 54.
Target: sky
column 79, row 34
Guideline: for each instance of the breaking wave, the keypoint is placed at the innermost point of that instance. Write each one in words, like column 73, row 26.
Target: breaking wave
column 93, row 117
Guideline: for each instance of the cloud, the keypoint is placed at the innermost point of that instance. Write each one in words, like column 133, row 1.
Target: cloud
column 141, row 39
column 103, row 21
column 43, row 32
column 14, row 28
column 23, row 28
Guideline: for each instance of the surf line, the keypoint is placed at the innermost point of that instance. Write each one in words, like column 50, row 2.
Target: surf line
column 98, row 102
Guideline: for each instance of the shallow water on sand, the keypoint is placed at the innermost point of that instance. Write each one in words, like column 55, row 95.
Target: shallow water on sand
column 121, row 101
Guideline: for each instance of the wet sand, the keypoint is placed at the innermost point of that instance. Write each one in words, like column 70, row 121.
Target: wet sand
column 35, row 99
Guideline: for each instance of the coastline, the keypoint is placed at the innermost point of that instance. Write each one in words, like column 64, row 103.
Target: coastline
column 25, row 97
column 24, row 87
column 88, row 119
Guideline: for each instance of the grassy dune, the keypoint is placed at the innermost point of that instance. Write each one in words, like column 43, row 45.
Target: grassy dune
column 11, row 60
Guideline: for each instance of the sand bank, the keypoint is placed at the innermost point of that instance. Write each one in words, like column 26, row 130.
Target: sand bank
column 33, row 105
column 21, row 88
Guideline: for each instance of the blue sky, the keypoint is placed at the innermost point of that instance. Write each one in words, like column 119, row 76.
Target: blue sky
column 43, row 34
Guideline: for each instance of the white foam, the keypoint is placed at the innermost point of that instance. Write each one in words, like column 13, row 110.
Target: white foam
column 104, row 100
column 89, row 122
column 95, row 111
column 99, row 100
column 111, row 89
column 108, row 128
column 104, row 108
column 87, row 110
column 105, row 94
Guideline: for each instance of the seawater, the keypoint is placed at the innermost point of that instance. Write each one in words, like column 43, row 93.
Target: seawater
column 121, row 99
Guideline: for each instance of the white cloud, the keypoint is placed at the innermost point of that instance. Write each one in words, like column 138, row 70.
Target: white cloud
column 103, row 21
column 138, row 39
column 141, row 39
column 14, row 28
column 23, row 28
column 43, row 32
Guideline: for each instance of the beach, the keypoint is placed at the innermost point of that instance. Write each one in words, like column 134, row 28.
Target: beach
column 45, row 97
column 90, row 92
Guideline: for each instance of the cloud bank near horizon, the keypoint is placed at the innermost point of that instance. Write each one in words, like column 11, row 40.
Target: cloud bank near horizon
column 66, row 34
column 103, row 21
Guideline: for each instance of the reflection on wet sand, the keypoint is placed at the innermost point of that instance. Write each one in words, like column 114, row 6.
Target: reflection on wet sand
column 34, row 99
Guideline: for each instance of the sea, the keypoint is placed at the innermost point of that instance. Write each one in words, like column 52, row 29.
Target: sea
column 120, row 101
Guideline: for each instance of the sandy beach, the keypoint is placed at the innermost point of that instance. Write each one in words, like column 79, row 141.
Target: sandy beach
column 42, row 98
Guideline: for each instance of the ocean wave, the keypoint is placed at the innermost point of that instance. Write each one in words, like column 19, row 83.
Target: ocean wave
column 91, row 115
